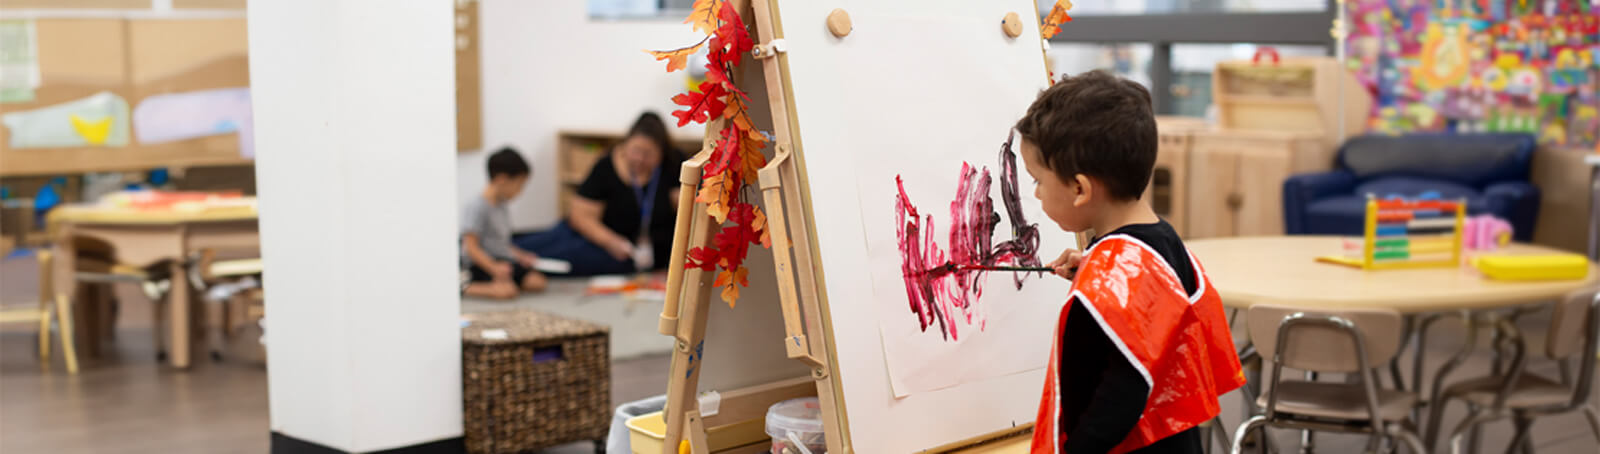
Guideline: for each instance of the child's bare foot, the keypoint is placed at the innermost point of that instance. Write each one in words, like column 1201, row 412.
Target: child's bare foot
column 495, row 290
column 534, row 282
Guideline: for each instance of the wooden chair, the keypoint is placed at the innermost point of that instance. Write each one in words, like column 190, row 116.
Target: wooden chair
column 1354, row 342
column 1523, row 396
column 94, row 263
column 51, row 305
column 206, row 271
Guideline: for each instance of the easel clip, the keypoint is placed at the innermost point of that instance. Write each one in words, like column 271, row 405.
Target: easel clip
column 769, row 50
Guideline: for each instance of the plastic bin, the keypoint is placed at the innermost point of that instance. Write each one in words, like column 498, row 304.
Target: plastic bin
column 617, row 440
column 646, row 433
column 795, row 423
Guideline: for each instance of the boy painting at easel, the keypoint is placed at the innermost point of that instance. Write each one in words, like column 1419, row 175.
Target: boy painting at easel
column 1142, row 348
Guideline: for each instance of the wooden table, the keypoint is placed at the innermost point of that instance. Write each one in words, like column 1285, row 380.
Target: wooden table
column 146, row 237
column 1283, row 270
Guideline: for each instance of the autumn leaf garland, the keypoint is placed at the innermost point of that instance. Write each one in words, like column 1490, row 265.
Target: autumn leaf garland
column 737, row 155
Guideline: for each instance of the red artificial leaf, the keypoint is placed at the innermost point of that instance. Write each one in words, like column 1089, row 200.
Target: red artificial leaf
column 718, row 63
column 726, row 155
column 1058, row 15
column 677, row 58
column 703, row 258
column 704, row 15
column 732, row 35
column 700, row 104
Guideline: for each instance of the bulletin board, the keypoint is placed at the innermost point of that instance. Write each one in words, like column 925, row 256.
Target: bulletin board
column 1481, row 66
column 130, row 61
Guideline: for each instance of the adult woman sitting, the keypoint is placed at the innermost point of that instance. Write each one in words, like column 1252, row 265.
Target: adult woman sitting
column 623, row 217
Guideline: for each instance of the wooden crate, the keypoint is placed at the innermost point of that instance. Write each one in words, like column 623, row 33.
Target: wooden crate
column 578, row 150
column 1169, row 182
column 1308, row 94
column 1236, row 178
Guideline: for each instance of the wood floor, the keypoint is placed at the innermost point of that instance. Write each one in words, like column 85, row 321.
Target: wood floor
column 125, row 402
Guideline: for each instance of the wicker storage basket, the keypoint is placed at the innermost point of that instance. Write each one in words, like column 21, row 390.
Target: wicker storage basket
column 536, row 380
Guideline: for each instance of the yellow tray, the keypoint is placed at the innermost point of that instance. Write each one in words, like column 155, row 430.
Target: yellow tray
column 647, row 432
column 1534, row 267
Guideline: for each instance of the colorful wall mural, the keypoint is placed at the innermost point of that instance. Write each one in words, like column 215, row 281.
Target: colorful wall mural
column 1481, row 66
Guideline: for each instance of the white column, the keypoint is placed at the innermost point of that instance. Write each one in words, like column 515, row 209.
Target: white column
column 355, row 139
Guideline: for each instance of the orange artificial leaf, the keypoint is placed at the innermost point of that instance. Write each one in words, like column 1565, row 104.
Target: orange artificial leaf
column 724, row 277
column 760, row 225
column 1052, row 22
column 714, row 193
column 704, row 15
column 677, row 58
column 730, row 287
column 750, row 159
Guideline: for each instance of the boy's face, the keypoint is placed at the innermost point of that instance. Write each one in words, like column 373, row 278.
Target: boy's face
column 1064, row 201
column 508, row 187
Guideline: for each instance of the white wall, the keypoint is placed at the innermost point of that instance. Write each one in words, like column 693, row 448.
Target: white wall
column 356, row 107
column 546, row 67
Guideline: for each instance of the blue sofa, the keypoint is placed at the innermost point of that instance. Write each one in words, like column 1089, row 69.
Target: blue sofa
column 1489, row 170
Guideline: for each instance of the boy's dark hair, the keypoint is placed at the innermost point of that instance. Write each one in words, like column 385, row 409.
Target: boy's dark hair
column 1095, row 124
column 506, row 161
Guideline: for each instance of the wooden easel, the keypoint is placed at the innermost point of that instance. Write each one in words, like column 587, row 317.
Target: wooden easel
column 686, row 323
column 688, row 296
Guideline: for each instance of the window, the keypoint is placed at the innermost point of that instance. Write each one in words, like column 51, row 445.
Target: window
column 638, row 9
column 1130, row 60
column 1116, row 7
column 1192, row 65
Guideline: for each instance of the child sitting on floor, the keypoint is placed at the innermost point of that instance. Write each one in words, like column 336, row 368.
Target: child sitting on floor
column 499, row 269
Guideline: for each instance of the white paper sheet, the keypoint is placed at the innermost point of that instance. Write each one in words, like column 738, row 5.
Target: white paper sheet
column 179, row 116
column 1005, row 330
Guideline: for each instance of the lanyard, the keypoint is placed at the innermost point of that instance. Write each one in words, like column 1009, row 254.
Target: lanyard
column 647, row 201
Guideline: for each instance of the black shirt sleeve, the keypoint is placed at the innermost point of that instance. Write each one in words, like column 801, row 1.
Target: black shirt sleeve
column 600, row 183
column 1097, row 421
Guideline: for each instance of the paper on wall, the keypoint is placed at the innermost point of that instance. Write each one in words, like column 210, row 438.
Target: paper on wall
column 180, row 116
column 19, row 60
column 100, row 119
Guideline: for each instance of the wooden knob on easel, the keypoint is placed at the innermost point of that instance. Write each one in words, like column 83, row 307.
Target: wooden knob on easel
column 1012, row 24
column 839, row 23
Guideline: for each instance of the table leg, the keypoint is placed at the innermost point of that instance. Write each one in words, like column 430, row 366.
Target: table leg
column 1469, row 320
column 1594, row 212
column 178, row 322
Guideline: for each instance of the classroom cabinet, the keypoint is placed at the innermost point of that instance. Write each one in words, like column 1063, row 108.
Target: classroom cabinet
column 1236, row 179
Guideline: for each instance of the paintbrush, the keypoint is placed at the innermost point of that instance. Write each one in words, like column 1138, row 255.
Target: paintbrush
column 952, row 267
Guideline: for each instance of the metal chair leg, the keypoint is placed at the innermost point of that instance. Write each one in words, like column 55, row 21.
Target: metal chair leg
column 1519, row 438
column 1244, row 430
column 1474, row 419
column 1594, row 420
column 1409, row 438
column 1217, row 433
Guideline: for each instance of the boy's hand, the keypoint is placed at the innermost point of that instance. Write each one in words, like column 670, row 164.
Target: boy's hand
column 525, row 258
column 1066, row 266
